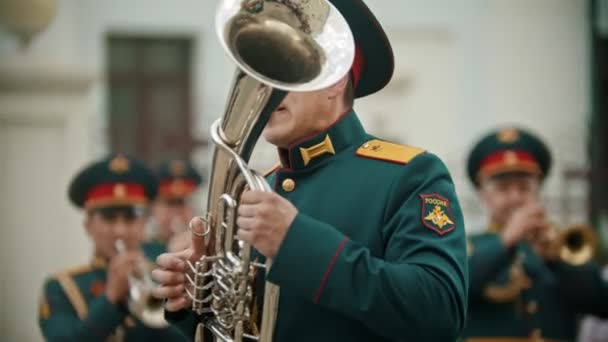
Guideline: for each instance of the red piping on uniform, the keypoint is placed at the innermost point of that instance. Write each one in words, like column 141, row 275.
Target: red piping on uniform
column 328, row 271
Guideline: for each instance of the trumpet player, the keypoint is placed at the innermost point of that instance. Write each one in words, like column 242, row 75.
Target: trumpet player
column 366, row 236
column 521, row 287
column 172, row 209
column 89, row 303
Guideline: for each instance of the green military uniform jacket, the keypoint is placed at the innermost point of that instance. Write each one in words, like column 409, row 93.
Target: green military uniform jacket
column 74, row 308
column 153, row 249
column 516, row 293
column 377, row 251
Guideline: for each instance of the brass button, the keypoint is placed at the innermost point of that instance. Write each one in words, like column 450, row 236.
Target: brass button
column 289, row 184
column 532, row 307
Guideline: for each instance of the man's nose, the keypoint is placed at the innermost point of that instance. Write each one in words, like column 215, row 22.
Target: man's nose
column 121, row 228
column 516, row 195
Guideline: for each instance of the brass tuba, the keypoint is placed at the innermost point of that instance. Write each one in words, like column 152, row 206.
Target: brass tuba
column 279, row 46
column 146, row 308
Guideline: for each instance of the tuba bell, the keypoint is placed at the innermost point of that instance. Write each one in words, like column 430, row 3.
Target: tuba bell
column 146, row 308
column 279, row 46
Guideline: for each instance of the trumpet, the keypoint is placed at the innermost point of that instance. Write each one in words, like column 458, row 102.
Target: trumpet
column 575, row 245
column 141, row 303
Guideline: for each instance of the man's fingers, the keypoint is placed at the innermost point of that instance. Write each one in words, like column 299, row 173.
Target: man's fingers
column 246, row 223
column 246, row 210
column 168, row 292
column 198, row 231
column 253, row 197
column 535, row 209
column 171, row 261
column 245, row 235
column 177, row 304
column 168, row 277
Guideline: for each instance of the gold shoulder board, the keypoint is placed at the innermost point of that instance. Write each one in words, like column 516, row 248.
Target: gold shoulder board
column 383, row 150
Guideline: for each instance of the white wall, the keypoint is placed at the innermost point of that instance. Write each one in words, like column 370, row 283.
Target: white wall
column 44, row 112
column 43, row 136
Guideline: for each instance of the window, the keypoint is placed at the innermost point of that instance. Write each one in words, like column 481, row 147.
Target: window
column 149, row 96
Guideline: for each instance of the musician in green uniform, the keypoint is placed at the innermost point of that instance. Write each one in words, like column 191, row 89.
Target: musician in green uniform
column 89, row 302
column 523, row 286
column 173, row 207
column 367, row 236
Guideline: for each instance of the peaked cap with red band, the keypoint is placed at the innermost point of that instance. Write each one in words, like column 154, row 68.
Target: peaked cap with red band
column 178, row 179
column 117, row 180
column 508, row 150
column 374, row 61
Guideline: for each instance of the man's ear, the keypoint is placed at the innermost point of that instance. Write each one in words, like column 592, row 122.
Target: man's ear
column 338, row 88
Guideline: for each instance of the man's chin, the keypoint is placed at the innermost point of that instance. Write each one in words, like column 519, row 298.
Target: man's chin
column 273, row 138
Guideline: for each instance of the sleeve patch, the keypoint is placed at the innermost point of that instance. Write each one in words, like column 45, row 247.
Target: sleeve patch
column 436, row 213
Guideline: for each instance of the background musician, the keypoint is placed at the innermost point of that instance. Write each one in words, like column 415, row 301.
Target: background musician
column 89, row 303
column 173, row 208
column 519, row 285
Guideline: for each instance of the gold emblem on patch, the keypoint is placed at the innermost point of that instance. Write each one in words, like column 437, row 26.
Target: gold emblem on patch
column 177, row 168
column 508, row 135
column 119, row 164
column 438, row 217
column 436, row 213
column 120, row 191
